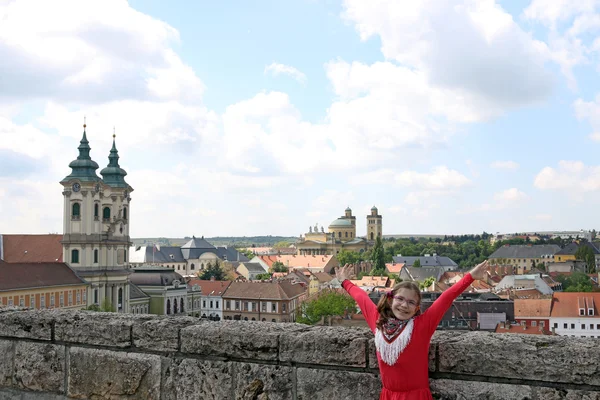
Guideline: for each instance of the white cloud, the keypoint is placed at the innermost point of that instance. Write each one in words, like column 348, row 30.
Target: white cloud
column 589, row 111
column 471, row 47
column 569, row 176
column 509, row 165
column 95, row 52
column 511, row 198
column 512, row 195
column 281, row 69
column 439, row 178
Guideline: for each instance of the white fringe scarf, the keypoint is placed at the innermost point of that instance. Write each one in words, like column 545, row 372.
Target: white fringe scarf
column 389, row 352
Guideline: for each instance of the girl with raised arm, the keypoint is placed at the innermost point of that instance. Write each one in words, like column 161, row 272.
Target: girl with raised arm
column 402, row 332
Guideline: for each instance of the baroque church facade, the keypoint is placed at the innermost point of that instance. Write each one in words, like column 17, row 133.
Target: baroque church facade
column 96, row 217
column 341, row 234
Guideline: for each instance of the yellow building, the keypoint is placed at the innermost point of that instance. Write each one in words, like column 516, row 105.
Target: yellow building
column 41, row 286
column 341, row 234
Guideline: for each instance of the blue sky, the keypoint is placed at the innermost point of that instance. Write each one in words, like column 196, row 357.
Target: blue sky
column 265, row 117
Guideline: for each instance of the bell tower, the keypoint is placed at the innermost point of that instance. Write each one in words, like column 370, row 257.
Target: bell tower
column 374, row 225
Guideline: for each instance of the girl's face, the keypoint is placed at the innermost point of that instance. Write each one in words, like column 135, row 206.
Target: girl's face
column 405, row 304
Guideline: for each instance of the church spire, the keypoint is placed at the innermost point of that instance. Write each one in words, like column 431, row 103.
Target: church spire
column 83, row 168
column 113, row 175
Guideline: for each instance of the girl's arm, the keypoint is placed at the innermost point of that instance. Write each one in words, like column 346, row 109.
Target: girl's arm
column 435, row 313
column 368, row 308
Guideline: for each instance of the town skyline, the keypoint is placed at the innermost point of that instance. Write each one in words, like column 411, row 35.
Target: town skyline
column 242, row 121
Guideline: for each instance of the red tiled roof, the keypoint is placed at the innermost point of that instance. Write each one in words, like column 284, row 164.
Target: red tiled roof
column 32, row 248
column 567, row 304
column 15, row 276
column 394, row 268
column 298, row 261
column 284, row 290
column 527, row 308
column 528, row 330
column 214, row 288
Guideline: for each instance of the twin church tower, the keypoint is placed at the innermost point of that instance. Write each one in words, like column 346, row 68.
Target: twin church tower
column 96, row 226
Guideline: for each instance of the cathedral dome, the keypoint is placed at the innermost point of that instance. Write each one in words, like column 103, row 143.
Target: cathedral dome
column 341, row 223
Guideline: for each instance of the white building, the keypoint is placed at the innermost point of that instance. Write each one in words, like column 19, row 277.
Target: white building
column 581, row 234
column 575, row 314
column 532, row 281
column 211, row 298
column 96, row 226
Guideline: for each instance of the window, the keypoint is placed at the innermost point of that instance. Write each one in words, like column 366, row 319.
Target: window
column 84, row 295
column 228, row 304
column 581, row 312
column 62, row 300
column 204, row 303
column 339, row 234
column 96, row 256
column 591, row 326
column 70, row 296
column 22, row 301
column 106, row 213
column 10, row 302
column 125, row 213
column 245, row 306
column 52, row 300
column 43, row 301
column 75, row 256
column 76, row 211
column 217, row 304
column 211, row 304
column 237, row 305
column 273, row 307
column 78, row 297
column 590, row 311
column 254, row 306
column 582, row 326
column 192, row 266
column 542, row 324
column 533, row 323
column 32, row 301
column 565, row 326
column 96, row 212
column 345, row 234
column 283, row 307
column 263, row 306
column 572, row 326
column 95, row 296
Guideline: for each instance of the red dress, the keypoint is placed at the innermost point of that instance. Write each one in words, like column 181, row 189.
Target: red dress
column 408, row 378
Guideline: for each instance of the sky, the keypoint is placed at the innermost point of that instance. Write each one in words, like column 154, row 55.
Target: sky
column 243, row 118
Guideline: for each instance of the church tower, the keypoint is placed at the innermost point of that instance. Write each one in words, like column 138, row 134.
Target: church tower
column 374, row 225
column 96, row 227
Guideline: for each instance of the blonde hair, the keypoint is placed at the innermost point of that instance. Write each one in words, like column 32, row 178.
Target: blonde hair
column 385, row 302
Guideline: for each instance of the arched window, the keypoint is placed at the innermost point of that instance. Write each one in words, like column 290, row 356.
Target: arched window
column 120, row 299
column 192, row 266
column 124, row 212
column 75, row 256
column 76, row 211
column 345, row 234
column 181, row 305
column 96, row 256
column 168, row 306
column 106, row 213
column 372, row 236
column 175, row 306
column 96, row 211
column 339, row 234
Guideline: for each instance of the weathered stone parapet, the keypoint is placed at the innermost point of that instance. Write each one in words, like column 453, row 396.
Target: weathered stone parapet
column 89, row 355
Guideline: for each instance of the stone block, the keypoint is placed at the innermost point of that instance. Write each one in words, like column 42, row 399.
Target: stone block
column 105, row 374
column 7, row 350
column 239, row 339
column 196, row 379
column 30, row 324
column 39, row 367
column 565, row 394
column 325, row 346
column 333, row 384
column 273, row 382
column 96, row 328
column 544, row 358
column 160, row 334
column 446, row 389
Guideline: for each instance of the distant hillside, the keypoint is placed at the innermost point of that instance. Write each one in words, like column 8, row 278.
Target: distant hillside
column 237, row 241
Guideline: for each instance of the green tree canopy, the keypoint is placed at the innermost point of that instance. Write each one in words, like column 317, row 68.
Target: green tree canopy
column 349, row 257
column 417, row 263
column 263, row 277
column 585, row 254
column 378, row 257
column 212, row 271
column 278, row 266
column 576, row 282
column 328, row 302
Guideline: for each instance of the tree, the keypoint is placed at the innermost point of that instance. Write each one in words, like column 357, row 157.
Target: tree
column 105, row 307
column 328, row 302
column 212, row 271
column 586, row 254
column 278, row 266
column 426, row 283
column 417, row 263
column 264, row 277
column 282, row 244
column 378, row 257
column 576, row 282
column 348, row 257
column 247, row 252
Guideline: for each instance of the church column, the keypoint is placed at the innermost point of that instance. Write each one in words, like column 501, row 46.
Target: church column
column 101, row 294
column 115, row 297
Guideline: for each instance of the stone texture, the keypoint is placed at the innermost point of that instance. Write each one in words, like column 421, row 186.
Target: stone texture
column 30, row 324
column 446, row 389
column 332, row 384
column 196, row 379
column 273, row 382
column 98, row 328
column 550, row 359
column 560, row 394
column 39, row 367
column 9, row 394
column 326, row 346
column 6, row 362
column 105, row 374
column 160, row 334
column 245, row 339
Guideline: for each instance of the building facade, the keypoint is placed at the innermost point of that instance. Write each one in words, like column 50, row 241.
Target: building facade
column 575, row 314
column 166, row 289
column 96, row 215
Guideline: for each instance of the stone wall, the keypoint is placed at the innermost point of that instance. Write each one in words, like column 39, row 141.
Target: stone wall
column 85, row 355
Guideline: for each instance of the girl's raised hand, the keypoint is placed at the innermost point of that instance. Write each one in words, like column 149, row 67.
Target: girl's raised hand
column 345, row 272
column 478, row 272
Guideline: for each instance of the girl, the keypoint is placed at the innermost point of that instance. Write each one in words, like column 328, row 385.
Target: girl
column 402, row 332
